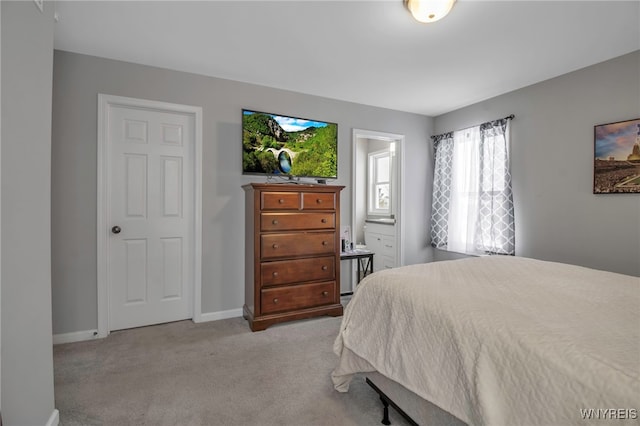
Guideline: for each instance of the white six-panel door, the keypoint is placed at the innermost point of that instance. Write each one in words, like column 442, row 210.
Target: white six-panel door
column 151, row 185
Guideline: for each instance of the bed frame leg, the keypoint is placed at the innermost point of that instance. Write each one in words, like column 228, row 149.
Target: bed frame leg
column 385, row 412
column 386, row 401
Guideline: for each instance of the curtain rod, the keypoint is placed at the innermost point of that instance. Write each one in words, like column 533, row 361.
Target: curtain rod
column 508, row 117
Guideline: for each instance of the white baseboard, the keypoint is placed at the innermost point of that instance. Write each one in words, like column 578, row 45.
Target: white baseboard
column 214, row 316
column 80, row 336
column 76, row 336
column 54, row 420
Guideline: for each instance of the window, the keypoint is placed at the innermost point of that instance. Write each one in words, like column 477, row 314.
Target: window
column 472, row 210
column 379, row 183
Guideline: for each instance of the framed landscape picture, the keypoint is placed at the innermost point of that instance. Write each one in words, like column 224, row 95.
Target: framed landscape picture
column 616, row 167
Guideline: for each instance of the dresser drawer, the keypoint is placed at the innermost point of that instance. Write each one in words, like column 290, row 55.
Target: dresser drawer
column 388, row 245
column 280, row 201
column 388, row 262
column 298, row 270
column 318, row 201
column 297, row 244
column 280, row 299
column 295, row 221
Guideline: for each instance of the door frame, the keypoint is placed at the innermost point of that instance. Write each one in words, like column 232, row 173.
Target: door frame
column 398, row 174
column 105, row 102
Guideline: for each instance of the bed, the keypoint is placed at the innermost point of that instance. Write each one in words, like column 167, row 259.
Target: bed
column 498, row 340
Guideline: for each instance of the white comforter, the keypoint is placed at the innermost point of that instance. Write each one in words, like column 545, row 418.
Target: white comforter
column 500, row 340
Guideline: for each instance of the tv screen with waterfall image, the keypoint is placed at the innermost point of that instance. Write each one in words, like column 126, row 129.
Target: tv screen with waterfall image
column 281, row 145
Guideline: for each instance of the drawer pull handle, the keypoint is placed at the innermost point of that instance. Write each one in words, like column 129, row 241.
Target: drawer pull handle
column 275, row 301
column 281, row 201
column 275, row 222
column 324, row 267
column 275, row 274
column 324, row 243
column 319, row 201
column 325, row 293
column 387, row 245
column 275, row 246
column 324, row 220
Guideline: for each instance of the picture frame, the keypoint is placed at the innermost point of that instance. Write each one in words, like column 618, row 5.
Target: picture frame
column 616, row 166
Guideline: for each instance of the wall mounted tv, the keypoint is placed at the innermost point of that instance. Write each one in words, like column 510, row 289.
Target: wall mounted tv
column 279, row 145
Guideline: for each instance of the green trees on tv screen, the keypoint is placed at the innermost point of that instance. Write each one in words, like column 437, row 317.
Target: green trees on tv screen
column 313, row 150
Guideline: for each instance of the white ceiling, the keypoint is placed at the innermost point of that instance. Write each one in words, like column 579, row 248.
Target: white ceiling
column 368, row 52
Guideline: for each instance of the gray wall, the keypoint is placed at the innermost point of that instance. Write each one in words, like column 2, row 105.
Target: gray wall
column 77, row 81
column 27, row 359
column 557, row 216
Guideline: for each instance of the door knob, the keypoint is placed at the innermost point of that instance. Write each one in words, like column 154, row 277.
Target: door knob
column 116, row 229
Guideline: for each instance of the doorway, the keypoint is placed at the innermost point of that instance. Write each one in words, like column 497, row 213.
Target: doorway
column 377, row 198
column 149, row 226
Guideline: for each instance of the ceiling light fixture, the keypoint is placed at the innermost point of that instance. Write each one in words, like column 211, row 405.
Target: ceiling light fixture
column 428, row 11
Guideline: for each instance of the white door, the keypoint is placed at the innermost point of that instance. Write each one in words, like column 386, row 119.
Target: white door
column 151, row 250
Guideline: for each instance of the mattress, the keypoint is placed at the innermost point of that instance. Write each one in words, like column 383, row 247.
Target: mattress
column 500, row 340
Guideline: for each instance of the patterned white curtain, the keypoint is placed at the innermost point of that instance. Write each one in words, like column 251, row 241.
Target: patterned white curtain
column 472, row 210
column 443, row 150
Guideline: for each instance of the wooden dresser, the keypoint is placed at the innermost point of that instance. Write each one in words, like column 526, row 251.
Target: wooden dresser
column 292, row 252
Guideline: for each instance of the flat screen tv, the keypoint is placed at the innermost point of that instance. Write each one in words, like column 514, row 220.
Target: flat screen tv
column 279, row 145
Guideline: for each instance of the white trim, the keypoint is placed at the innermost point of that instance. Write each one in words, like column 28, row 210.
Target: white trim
column 76, row 336
column 104, row 201
column 197, row 261
column 82, row 336
column 400, row 148
column 54, row 419
column 220, row 315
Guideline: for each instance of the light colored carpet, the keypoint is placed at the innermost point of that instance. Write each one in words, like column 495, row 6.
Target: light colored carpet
column 215, row 373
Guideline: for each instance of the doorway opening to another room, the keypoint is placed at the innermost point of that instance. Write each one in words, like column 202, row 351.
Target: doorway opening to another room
column 377, row 201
